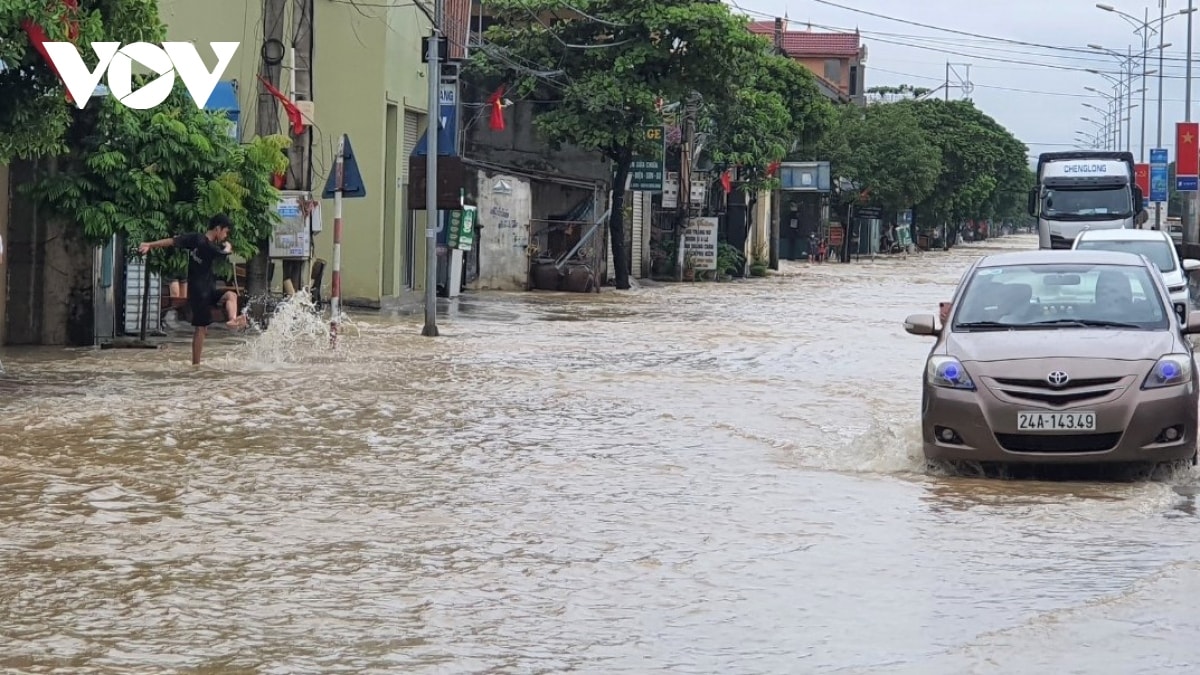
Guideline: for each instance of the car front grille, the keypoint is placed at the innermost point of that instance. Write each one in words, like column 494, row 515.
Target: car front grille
column 1051, row 443
column 1057, row 242
column 1041, row 391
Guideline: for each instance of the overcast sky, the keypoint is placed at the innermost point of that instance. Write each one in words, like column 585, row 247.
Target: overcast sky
column 1037, row 92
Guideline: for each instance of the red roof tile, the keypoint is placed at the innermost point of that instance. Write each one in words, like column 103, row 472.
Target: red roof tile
column 799, row 43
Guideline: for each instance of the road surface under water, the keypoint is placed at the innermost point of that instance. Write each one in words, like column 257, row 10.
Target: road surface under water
column 711, row 478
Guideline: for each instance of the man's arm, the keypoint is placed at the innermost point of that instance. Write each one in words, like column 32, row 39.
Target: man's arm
column 146, row 247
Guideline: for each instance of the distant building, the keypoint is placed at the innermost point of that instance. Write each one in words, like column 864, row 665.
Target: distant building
column 838, row 60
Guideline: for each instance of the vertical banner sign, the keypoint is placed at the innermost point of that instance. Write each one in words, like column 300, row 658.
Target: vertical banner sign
column 1187, row 156
column 1141, row 176
column 448, row 120
column 1158, row 175
column 648, row 172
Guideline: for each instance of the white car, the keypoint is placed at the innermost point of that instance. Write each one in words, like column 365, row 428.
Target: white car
column 1156, row 245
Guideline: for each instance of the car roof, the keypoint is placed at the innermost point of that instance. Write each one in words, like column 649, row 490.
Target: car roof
column 1063, row 257
column 1125, row 234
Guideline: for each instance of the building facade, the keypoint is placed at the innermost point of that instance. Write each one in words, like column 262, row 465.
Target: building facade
column 837, row 60
column 368, row 82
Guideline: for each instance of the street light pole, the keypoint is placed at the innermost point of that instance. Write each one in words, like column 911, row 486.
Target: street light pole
column 432, row 213
column 1190, row 231
column 1145, row 50
column 1162, row 20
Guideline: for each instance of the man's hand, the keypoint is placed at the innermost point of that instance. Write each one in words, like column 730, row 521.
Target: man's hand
column 227, row 248
column 143, row 249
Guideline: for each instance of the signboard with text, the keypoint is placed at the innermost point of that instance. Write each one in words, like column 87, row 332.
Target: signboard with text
column 647, row 172
column 700, row 242
column 461, row 233
column 1187, row 157
column 1158, row 175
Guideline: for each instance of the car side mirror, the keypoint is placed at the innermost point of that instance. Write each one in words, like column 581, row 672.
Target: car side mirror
column 1191, row 265
column 922, row 324
column 1033, row 199
column 1191, row 325
column 1139, row 200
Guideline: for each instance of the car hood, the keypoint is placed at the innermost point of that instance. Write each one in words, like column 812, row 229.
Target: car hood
column 1124, row 345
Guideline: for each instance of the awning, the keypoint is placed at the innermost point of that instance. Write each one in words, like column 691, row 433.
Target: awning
column 224, row 97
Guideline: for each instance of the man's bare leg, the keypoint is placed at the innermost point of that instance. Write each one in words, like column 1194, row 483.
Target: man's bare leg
column 198, row 344
column 231, row 311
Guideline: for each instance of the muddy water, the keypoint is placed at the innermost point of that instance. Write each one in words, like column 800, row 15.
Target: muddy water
column 695, row 479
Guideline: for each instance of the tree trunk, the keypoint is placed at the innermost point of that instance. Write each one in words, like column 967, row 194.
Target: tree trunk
column 616, row 226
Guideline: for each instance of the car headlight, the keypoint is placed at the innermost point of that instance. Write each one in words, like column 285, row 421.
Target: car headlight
column 1170, row 370
column 947, row 371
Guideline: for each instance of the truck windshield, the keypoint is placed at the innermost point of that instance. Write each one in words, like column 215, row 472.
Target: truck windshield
column 1108, row 203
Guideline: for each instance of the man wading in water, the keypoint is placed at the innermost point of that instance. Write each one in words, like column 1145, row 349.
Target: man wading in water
column 202, row 297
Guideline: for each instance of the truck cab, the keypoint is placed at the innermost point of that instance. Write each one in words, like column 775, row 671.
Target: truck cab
column 1078, row 191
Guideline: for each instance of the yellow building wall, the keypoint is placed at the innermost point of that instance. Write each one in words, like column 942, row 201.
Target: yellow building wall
column 364, row 58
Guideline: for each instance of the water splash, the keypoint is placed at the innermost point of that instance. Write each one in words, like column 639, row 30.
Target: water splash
column 298, row 332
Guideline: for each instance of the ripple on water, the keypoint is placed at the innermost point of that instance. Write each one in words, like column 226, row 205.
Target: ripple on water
column 698, row 478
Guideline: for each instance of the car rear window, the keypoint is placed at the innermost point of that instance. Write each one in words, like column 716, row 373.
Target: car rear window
column 1158, row 252
column 1051, row 295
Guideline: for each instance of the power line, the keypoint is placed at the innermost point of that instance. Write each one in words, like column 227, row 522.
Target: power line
column 1016, row 90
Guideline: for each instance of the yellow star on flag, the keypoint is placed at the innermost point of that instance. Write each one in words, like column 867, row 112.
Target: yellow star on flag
column 1188, row 138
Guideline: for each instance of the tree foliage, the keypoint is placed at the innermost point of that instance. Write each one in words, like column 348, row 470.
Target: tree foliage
column 148, row 175
column 981, row 160
column 608, row 64
column 884, row 151
column 774, row 109
column 136, row 174
column 34, row 114
column 980, row 170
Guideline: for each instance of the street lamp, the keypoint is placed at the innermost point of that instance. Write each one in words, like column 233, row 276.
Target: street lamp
column 1144, row 27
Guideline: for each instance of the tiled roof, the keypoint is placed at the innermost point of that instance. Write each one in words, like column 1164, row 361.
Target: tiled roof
column 800, row 43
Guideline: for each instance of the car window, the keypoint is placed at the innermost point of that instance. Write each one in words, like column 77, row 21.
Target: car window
column 1049, row 296
column 1159, row 252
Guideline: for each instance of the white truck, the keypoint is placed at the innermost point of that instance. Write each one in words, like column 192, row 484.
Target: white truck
column 1087, row 190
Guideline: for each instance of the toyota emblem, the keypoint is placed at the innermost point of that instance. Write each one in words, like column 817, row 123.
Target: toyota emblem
column 1058, row 378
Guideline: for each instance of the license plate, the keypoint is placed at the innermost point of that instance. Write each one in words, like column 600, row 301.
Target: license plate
column 1052, row 421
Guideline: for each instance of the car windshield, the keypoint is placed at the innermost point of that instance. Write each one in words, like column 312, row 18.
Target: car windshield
column 1052, row 296
column 1159, row 252
column 1082, row 204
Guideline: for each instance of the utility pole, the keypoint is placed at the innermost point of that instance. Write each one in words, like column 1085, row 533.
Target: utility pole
column 1190, row 231
column 947, row 85
column 267, row 123
column 1162, row 20
column 299, row 175
column 685, row 188
column 432, row 214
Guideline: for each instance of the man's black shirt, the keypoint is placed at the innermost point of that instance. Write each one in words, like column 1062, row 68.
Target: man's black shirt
column 202, row 253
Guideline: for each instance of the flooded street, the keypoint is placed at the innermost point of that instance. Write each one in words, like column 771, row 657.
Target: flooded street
column 688, row 479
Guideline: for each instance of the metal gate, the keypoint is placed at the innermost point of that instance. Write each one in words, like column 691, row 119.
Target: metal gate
column 135, row 270
column 412, row 133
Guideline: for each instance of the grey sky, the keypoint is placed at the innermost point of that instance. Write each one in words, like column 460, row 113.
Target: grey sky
column 1038, row 93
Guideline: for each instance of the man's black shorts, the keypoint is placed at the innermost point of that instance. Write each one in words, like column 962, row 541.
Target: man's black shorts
column 201, row 303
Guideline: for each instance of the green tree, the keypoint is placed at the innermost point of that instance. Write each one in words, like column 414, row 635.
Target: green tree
column 776, row 108
column 147, row 175
column 978, row 157
column 135, row 174
column 613, row 61
column 34, row 114
column 884, row 151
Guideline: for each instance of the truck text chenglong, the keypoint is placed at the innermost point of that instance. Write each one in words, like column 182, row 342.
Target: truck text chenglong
column 1079, row 191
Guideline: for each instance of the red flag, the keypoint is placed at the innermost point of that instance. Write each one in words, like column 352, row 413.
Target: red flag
column 496, row 103
column 1187, row 155
column 1141, row 174
column 38, row 38
column 727, row 181
column 773, row 167
column 293, row 113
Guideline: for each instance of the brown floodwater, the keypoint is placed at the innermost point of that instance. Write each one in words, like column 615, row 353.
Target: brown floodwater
column 708, row 478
